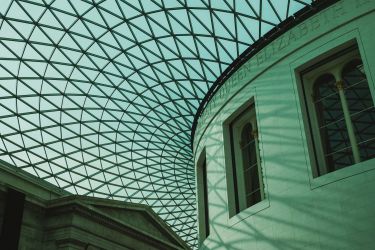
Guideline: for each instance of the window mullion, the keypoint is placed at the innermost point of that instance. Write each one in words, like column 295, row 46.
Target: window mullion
column 348, row 121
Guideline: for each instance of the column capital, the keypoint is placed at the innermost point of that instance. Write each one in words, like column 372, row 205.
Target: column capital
column 254, row 133
column 340, row 85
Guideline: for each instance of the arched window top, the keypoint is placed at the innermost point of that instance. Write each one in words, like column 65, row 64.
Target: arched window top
column 324, row 79
column 353, row 72
column 324, row 86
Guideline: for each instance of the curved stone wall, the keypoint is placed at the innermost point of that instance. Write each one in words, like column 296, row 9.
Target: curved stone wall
column 333, row 211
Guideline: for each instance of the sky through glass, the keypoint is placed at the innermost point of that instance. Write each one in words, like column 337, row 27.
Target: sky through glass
column 98, row 97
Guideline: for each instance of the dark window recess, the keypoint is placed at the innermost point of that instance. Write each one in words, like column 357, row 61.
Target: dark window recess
column 202, row 195
column 13, row 212
column 205, row 194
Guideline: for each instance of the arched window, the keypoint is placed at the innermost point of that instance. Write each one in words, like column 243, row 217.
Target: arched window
column 340, row 111
column 246, row 170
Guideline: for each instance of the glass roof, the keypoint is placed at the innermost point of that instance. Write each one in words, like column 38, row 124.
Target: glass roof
column 98, row 96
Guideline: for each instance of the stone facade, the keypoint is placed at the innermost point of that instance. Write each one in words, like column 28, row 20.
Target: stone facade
column 300, row 210
column 54, row 219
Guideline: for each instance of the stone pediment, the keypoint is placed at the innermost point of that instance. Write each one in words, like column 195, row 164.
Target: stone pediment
column 137, row 223
column 55, row 219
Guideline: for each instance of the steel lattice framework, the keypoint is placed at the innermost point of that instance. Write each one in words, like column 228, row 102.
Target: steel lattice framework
column 98, row 96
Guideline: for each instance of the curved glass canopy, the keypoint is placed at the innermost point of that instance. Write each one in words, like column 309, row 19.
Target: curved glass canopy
column 98, row 96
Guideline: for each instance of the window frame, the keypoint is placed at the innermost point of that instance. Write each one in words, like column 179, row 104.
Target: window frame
column 332, row 64
column 202, row 198
column 236, row 127
column 235, row 213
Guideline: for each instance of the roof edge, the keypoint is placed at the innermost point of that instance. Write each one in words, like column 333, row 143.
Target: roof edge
column 252, row 50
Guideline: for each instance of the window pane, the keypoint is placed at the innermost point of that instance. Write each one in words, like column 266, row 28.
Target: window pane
column 253, row 194
column 333, row 131
column 361, row 108
column 340, row 159
column 367, row 149
column 250, row 166
column 327, row 100
column 336, row 145
column 248, row 147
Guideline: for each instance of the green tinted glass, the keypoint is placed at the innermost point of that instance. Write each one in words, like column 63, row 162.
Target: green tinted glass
column 98, row 97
